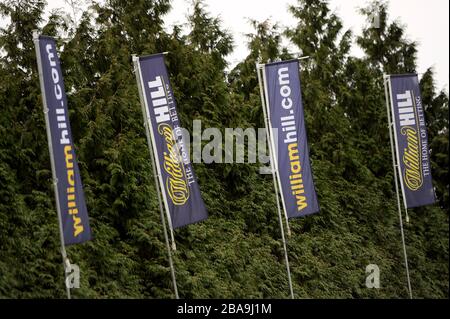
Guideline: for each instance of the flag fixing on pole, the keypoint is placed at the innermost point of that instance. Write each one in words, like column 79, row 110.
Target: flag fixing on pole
column 285, row 114
column 181, row 193
column 69, row 194
column 411, row 141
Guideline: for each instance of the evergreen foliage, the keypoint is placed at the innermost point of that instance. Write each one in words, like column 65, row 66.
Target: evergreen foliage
column 237, row 252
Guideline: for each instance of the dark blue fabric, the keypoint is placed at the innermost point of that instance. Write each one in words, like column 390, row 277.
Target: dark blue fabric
column 179, row 184
column 411, row 141
column 286, row 115
column 74, row 216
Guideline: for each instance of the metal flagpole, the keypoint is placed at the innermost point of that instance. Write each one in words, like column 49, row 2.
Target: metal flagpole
column 152, row 145
column 272, row 136
column 387, row 92
column 272, row 168
column 66, row 262
column 155, row 174
column 169, row 218
column 274, row 150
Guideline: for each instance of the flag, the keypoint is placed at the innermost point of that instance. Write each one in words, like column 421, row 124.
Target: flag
column 285, row 110
column 411, row 141
column 180, row 190
column 69, row 189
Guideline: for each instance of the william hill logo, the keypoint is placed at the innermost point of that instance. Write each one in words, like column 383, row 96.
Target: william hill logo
column 412, row 158
column 289, row 128
column 176, row 183
column 64, row 139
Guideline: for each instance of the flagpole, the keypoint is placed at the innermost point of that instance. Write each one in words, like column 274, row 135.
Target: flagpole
column 152, row 145
column 155, row 174
column 387, row 92
column 52, row 160
column 274, row 151
column 272, row 168
column 272, row 144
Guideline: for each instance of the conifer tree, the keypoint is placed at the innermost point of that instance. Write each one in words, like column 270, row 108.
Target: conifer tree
column 237, row 251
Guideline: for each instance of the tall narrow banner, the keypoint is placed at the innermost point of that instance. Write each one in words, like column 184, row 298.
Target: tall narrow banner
column 411, row 141
column 181, row 193
column 70, row 196
column 292, row 154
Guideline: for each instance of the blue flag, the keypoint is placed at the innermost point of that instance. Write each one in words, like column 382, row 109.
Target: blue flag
column 181, row 193
column 292, row 158
column 411, row 140
column 72, row 207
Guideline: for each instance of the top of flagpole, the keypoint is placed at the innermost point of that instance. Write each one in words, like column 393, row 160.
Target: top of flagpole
column 388, row 76
column 136, row 58
column 35, row 34
column 260, row 65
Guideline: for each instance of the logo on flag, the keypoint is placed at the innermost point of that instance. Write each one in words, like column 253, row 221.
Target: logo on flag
column 70, row 196
column 411, row 141
column 179, row 186
column 282, row 86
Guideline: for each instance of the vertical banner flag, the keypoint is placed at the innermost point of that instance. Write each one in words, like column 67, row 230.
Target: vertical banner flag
column 292, row 155
column 69, row 193
column 411, row 141
column 181, row 193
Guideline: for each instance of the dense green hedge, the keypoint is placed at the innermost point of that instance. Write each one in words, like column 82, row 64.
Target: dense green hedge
column 237, row 252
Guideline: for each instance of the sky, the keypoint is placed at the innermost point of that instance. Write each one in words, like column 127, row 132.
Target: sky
column 426, row 22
